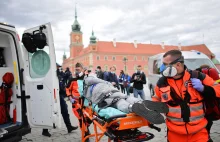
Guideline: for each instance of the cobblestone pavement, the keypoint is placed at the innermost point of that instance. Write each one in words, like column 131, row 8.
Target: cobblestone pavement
column 61, row 135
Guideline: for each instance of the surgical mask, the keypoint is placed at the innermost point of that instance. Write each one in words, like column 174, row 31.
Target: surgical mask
column 112, row 72
column 80, row 74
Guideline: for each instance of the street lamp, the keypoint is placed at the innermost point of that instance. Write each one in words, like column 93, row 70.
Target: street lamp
column 125, row 61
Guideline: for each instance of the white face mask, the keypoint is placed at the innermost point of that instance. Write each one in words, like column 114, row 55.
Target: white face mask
column 112, row 72
column 80, row 74
column 170, row 71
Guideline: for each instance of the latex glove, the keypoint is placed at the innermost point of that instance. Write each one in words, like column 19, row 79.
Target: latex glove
column 197, row 84
column 72, row 100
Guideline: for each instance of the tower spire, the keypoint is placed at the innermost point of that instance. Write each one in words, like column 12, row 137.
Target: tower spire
column 75, row 11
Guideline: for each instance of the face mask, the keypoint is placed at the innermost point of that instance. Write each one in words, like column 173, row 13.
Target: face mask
column 162, row 68
column 169, row 71
column 112, row 72
column 80, row 74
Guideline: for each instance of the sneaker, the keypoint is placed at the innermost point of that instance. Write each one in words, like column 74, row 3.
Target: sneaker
column 71, row 128
column 159, row 107
column 46, row 133
column 151, row 116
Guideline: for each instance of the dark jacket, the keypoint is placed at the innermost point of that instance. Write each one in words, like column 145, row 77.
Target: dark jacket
column 67, row 76
column 108, row 76
column 139, row 83
column 121, row 78
column 100, row 75
column 61, row 79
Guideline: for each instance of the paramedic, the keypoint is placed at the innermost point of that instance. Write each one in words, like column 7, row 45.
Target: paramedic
column 74, row 88
column 185, row 119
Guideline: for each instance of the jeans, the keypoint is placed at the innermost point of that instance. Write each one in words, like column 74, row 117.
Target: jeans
column 127, row 90
column 122, row 88
column 64, row 111
column 139, row 92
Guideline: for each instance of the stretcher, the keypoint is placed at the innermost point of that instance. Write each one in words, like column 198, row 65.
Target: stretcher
column 118, row 128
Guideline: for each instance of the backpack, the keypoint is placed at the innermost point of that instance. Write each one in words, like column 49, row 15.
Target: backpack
column 211, row 72
column 212, row 104
column 5, row 97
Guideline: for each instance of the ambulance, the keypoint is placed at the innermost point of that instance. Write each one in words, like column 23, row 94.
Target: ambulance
column 33, row 99
column 192, row 59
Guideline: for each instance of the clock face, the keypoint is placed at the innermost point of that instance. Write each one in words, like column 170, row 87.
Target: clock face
column 77, row 37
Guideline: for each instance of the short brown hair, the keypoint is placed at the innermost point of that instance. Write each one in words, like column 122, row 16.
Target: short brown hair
column 78, row 65
column 113, row 67
column 174, row 53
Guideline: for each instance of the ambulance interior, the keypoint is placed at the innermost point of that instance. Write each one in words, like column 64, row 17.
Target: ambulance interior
column 8, row 63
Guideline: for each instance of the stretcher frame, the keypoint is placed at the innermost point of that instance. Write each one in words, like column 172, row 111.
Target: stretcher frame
column 125, row 122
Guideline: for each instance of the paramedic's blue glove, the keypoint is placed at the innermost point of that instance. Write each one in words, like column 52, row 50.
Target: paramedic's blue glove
column 197, row 84
column 72, row 100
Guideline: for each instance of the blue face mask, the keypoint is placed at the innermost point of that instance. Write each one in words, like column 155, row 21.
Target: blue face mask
column 162, row 68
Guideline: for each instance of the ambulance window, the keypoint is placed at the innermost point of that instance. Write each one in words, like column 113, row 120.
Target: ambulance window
column 196, row 63
column 39, row 63
column 156, row 66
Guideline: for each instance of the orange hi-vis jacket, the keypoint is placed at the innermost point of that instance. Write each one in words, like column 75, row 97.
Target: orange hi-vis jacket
column 74, row 88
column 187, row 115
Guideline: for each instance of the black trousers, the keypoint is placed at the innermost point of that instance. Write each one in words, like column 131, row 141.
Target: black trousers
column 64, row 111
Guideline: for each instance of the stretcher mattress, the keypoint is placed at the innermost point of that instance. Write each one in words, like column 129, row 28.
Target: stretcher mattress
column 106, row 112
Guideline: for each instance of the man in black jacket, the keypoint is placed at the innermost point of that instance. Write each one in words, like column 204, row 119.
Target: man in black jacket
column 99, row 73
column 63, row 105
column 67, row 75
column 139, row 79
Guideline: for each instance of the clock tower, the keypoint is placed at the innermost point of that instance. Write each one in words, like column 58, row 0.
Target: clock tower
column 76, row 41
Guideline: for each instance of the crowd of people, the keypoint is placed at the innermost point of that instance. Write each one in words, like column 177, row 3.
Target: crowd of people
column 126, row 83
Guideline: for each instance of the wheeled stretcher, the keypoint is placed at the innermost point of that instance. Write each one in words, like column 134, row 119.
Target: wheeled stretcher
column 118, row 128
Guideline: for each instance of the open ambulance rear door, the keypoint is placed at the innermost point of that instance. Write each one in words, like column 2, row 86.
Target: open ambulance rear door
column 41, row 82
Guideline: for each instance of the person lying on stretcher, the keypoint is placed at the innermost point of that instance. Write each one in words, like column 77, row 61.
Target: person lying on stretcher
column 103, row 94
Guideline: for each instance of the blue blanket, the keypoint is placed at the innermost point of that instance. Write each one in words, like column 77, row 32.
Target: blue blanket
column 107, row 112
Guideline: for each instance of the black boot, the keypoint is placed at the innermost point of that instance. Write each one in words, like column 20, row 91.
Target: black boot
column 71, row 128
column 46, row 133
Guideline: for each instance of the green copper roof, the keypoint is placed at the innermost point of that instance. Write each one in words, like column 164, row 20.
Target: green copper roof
column 92, row 38
column 76, row 26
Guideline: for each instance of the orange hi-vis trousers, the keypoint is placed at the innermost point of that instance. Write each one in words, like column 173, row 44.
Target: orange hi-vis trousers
column 201, row 136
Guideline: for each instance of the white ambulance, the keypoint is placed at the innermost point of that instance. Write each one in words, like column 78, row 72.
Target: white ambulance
column 192, row 59
column 35, row 90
